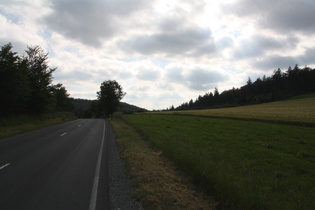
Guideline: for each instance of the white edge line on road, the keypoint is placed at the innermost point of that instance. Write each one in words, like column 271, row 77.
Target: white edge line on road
column 97, row 175
column 5, row 165
column 63, row 134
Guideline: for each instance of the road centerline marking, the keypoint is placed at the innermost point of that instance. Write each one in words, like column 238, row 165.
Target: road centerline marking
column 63, row 134
column 93, row 199
column 5, row 165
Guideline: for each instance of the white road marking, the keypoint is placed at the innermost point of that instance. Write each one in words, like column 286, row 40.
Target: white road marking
column 63, row 134
column 97, row 175
column 79, row 125
column 5, row 165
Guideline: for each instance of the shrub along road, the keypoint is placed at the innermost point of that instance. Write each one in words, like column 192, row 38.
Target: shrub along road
column 59, row 167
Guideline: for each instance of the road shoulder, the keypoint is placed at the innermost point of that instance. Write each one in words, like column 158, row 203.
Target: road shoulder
column 120, row 186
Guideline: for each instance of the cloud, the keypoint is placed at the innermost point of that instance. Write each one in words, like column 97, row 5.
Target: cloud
column 259, row 45
column 18, row 24
column 174, row 34
column 283, row 62
column 148, row 74
column 200, row 79
column 75, row 75
column 186, row 42
column 194, row 77
column 308, row 57
column 91, row 22
column 286, row 16
column 275, row 61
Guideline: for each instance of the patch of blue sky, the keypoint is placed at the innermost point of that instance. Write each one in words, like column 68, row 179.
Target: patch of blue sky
column 160, row 62
column 133, row 59
column 73, row 50
column 70, row 49
column 50, row 51
column 11, row 17
column 45, row 33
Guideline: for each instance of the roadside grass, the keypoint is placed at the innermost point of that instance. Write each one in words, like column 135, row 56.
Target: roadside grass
column 159, row 184
column 15, row 125
column 299, row 110
column 245, row 164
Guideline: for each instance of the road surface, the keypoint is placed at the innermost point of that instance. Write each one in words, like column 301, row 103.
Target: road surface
column 59, row 167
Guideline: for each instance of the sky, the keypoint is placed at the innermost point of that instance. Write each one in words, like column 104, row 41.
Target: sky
column 162, row 52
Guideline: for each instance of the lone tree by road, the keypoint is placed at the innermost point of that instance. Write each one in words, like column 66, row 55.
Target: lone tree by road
column 108, row 97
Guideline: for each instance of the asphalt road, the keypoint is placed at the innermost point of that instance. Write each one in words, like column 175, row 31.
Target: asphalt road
column 59, row 167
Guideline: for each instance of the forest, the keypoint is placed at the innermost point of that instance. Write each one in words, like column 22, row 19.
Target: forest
column 26, row 84
column 279, row 86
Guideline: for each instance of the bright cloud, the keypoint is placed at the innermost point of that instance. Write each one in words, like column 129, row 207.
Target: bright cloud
column 162, row 52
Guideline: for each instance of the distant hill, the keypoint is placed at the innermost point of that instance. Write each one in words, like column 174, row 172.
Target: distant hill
column 81, row 105
column 125, row 107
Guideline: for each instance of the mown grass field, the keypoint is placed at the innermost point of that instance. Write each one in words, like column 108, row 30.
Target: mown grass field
column 298, row 110
column 244, row 164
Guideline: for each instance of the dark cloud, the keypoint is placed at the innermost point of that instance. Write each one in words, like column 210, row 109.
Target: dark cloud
column 308, row 58
column 189, row 42
column 149, row 75
column 195, row 78
column 274, row 62
column 75, row 75
column 224, row 42
column 283, row 62
column 175, row 75
column 92, row 21
column 287, row 16
column 200, row 79
column 257, row 46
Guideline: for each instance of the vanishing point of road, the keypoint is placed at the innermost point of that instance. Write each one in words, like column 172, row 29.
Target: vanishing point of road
column 64, row 166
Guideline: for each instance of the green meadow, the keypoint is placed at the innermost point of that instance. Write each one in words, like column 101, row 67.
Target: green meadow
column 244, row 164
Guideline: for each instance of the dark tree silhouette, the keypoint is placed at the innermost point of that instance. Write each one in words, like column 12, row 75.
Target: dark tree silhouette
column 26, row 84
column 14, row 84
column 109, row 96
column 277, row 87
column 40, row 75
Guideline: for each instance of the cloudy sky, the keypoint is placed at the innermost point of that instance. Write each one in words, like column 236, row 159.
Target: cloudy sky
column 162, row 52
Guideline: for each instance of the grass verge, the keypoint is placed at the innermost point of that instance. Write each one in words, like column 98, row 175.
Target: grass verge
column 245, row 164
column 15, row 125
column 159, row 184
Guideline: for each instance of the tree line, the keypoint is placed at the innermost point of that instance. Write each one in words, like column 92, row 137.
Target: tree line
column 279, row 86
column 26, row 83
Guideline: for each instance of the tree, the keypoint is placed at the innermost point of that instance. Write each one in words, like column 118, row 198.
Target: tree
column 61, row 98
column 109, row 96
column 249, row 81
column 26, row 84
column 14, row 85
column 40, row 77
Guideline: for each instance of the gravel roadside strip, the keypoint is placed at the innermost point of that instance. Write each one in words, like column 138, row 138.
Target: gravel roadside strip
column 120, row 188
